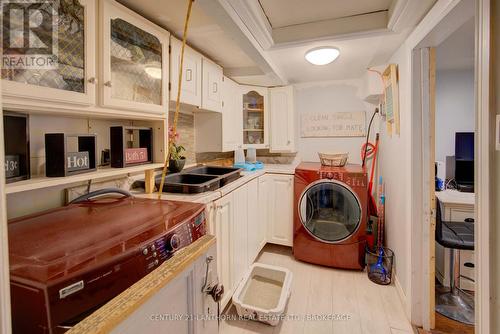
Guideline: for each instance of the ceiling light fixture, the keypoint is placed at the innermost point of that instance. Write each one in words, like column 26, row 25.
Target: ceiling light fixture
column 322, row 56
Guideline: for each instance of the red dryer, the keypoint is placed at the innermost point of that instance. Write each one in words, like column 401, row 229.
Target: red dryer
column 330, row 215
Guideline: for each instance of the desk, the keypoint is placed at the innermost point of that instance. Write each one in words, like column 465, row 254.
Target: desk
column 455, row 206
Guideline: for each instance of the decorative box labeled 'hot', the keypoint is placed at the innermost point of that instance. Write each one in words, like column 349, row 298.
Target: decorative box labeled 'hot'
column 131, row 145
column 69, row 154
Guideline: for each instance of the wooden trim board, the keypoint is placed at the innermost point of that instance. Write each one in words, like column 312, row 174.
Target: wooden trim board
column 115, row 311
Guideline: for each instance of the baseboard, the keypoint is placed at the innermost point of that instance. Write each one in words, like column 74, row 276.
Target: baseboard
column 402, row 297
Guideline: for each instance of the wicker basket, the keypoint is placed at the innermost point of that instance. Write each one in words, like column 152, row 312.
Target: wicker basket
column 333, row 159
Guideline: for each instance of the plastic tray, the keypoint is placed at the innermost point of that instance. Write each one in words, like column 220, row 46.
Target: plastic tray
column 263, row 293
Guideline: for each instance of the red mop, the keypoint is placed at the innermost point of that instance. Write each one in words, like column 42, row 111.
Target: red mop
column 372, row 204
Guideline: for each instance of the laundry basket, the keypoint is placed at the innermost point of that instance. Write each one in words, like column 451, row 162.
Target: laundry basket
column 263, row 293
column 333, row 159
column 379, row 265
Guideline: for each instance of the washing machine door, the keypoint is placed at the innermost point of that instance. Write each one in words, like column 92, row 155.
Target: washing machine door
column 330, row 211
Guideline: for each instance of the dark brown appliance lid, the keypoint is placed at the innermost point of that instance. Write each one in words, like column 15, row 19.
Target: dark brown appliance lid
column 58, row 242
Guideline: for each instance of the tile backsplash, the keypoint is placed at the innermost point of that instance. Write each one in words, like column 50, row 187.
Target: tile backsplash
column 185, row 128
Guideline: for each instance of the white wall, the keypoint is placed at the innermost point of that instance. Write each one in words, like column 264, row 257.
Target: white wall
column 331, row 97
column 454, row 108
column 395, row 168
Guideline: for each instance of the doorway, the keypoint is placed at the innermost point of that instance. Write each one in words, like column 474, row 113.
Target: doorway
column 438, row 138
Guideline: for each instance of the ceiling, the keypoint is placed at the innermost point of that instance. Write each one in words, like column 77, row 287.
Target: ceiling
column 457, row 51
column 204, row 33
column 318, row 10
column 355, row 56
column 263, row 42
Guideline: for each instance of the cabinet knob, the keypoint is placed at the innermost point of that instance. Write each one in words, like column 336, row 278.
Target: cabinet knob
column 107, row 84
column 92, row 80
column 215, row 87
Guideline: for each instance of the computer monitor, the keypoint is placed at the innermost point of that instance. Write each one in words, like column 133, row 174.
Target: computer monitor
column 464, row 146
column 464, row 158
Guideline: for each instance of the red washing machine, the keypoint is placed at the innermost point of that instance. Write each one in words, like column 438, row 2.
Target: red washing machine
column 330, row 215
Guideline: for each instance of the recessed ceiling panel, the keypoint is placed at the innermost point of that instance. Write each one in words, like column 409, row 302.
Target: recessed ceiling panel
column 284, row 13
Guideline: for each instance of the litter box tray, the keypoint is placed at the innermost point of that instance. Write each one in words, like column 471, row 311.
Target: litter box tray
column 263, row 293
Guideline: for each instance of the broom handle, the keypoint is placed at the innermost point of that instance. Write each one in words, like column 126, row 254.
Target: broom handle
column 178, row 102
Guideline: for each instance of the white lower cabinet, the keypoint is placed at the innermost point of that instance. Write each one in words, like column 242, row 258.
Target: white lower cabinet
column 240, row 237
column 256, row 239
column 223, row 232
column 190, row 301
column 277, row 191
column 240, row 234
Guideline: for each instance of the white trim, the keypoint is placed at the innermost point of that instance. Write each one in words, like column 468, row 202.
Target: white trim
column 110, row 9
column 396, row 10
column 484, row 125
column 253, row 17
column 402, row 297
column 20, row 91
column 425, row 145
column 417, row 39
column 5, row 322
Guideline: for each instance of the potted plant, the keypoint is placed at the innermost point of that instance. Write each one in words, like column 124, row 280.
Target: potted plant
column 176, row 159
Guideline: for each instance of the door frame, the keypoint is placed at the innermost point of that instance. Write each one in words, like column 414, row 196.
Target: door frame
column 433, row 30
column 5, row 319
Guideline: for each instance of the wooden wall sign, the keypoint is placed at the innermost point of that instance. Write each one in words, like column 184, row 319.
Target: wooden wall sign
column 339, row 124
column 136, row 155
column 77, row 161
column 12, row 166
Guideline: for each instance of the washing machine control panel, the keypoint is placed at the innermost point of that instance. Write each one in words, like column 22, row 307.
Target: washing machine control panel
column 352, row 180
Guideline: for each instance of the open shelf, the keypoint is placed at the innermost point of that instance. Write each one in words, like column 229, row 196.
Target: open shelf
column 45, row 182
column 254, row 109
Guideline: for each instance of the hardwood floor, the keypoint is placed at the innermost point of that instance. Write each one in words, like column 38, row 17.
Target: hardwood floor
column 365, row 307
column 448, row 326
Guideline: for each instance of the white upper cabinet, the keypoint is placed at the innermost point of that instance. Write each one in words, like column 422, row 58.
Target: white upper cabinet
column 134, row 61
column 211, row 90
column 282, row 112
column 72, row 78
column 191, row 76
column 255, row 116
column 232, row 135
column 221, row 132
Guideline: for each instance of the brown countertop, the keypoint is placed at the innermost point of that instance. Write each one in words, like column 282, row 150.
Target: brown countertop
column 115, row 311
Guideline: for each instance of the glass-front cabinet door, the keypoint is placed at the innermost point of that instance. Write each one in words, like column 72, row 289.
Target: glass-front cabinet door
column 55, row 60
column 330, row 211
column 134, row 61
column 255, row 117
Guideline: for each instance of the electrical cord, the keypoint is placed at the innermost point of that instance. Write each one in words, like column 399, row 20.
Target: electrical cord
column 368, row 136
